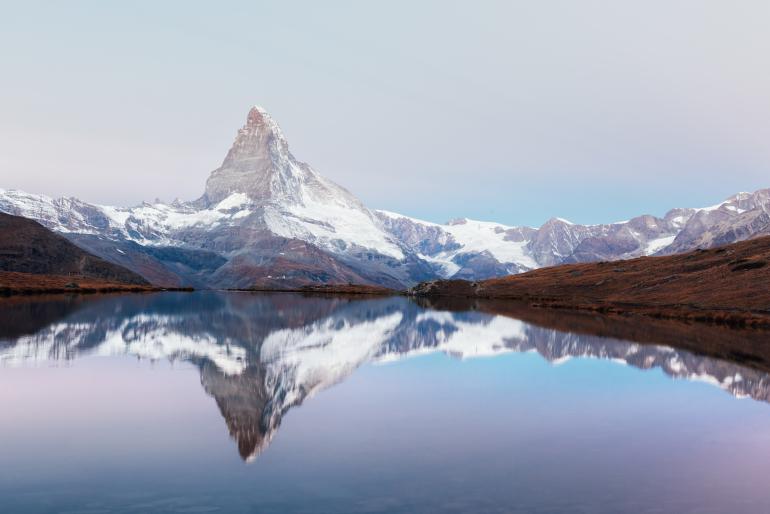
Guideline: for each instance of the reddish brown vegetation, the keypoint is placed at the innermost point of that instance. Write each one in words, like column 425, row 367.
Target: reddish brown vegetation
column 729, row 285
column 28, row 283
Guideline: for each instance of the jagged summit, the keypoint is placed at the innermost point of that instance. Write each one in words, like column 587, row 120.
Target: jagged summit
column 289, row 198
column 258, row 164
column 260, row 137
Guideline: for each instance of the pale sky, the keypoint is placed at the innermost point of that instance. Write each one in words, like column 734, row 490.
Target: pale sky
column 508, row 111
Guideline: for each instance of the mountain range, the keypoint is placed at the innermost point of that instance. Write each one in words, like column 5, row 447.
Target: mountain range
column 268, row 220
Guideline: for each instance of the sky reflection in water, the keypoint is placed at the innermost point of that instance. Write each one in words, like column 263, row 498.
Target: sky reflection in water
column 374, row 405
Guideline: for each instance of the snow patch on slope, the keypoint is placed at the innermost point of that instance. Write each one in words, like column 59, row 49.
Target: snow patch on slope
column 332, row 223
column 472, row 237
column 479, row 236
column 655, row 245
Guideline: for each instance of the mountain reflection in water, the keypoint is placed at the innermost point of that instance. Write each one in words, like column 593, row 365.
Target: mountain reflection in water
column 261, row 354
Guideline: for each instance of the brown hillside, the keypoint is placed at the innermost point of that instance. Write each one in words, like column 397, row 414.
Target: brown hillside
column 730, row 284
column 28, row 247
column 32, row 283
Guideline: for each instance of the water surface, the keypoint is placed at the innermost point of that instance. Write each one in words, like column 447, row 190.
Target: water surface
column 236, row 402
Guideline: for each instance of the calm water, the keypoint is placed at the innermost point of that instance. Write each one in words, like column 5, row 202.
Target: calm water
column 210, row 402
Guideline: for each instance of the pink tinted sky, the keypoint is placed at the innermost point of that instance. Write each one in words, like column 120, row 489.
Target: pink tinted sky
column 513, row 111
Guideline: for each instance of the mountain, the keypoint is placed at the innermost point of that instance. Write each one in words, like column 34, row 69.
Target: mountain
column 266, row 219
column 27, row 247
column 261, row 355
column 474, row 250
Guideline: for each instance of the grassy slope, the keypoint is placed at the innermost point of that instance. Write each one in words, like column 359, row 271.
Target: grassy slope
column 31, row 283
column 729, row 284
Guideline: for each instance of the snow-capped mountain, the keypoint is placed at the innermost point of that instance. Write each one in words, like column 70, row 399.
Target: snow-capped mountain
column 259, row 176
column 260, row 356
column 267, row 219
column 474, row 249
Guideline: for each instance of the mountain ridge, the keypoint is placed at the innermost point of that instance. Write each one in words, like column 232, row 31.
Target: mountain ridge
column 269, row 220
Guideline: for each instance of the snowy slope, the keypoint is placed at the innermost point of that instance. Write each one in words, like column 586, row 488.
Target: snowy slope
column 462, row 237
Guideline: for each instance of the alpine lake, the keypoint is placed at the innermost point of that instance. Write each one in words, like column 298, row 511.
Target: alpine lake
column 279, row 402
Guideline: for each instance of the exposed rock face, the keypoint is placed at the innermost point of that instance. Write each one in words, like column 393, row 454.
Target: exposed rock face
column 236, row 233
column 740, row 217
column 260, row 166
column 257, row 164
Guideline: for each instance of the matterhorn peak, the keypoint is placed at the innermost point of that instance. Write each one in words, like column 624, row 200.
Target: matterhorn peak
column 260, row 137
column 258, row 163
column 259, row 119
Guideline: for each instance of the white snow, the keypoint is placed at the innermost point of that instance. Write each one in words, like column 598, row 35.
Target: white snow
column 60, row 214
column 473, row 237
column 479, row 236
column 232, row 201
column 330, row 220
column 447, row 268
column 116, row 216
column 654, row 245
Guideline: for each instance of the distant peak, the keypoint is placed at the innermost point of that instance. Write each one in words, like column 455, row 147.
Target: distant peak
column 558, row 221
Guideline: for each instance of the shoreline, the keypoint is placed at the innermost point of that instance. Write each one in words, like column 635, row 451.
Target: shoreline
column 726, row 316
column 30, row 284
column 727, row 285
column 327, row 289
column 745, row 345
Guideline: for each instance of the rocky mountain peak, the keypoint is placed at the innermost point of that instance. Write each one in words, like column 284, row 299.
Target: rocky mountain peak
column 258, row 163
column 259, row 139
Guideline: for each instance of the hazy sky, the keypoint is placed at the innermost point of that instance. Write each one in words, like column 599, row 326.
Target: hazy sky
column 511, row 111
